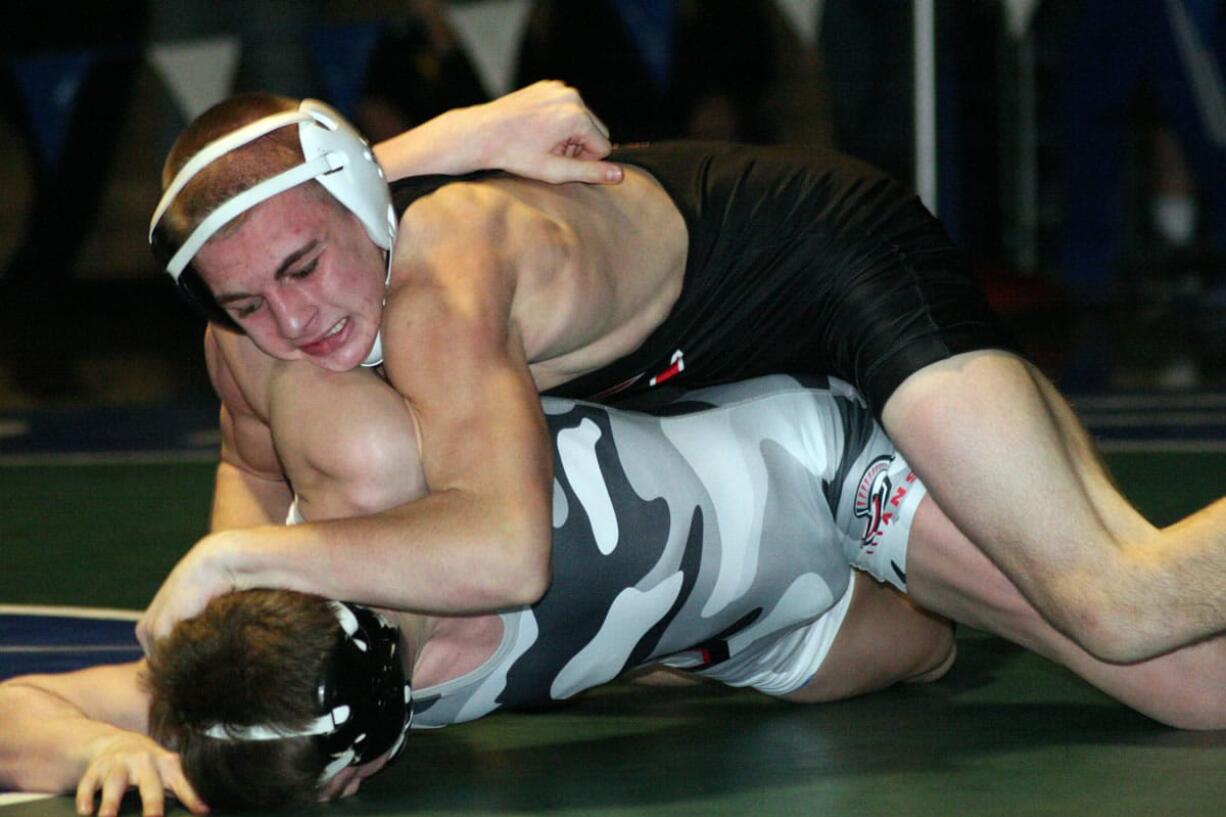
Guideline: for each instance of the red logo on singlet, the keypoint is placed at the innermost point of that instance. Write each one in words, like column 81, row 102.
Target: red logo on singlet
column 877, row 500
column 676, row 365
column 872, row 500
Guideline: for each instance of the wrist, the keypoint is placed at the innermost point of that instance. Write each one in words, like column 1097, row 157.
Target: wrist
column 462, row 135
column 229, row 557
column 97, row 739
column 266, row 557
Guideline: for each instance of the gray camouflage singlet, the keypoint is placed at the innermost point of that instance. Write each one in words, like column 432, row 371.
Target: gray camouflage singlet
column 738, row 526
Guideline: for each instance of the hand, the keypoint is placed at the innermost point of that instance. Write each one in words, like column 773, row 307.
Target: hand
column 348, row 780
column 197, row 578
column 545, row 132
column 127, row 760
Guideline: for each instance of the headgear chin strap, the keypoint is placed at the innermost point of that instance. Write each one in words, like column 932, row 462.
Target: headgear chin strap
column 335, row 155
column 364, row 701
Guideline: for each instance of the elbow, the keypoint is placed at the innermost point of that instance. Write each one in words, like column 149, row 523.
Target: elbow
column 526, row 579
column 526, row 590
column 525, row 570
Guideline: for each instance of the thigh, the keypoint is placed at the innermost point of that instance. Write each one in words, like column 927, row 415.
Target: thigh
column 1005, row 457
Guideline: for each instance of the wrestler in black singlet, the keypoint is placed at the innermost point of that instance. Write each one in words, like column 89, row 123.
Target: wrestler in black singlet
column 800, row 260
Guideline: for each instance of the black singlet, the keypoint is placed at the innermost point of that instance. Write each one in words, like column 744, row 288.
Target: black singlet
column 800, row 261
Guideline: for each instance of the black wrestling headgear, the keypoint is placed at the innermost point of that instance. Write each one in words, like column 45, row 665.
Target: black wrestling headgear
column 363, row 701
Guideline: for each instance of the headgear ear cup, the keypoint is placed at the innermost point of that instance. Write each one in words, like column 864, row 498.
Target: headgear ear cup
column 359, row 184
column 335, row 155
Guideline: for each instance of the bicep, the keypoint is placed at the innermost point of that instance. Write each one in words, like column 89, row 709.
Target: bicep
column 483, row 435
column 468, row 379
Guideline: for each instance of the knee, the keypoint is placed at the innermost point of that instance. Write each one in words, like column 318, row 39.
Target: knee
column 939, row 660
column 1104, row 620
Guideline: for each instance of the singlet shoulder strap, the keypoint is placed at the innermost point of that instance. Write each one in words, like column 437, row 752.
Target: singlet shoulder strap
column 408, row 190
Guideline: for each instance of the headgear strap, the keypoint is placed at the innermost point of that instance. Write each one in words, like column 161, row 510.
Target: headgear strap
column 364, row 700
column 334, row 154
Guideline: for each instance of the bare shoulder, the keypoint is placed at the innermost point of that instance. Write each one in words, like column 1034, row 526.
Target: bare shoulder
column 471, row 251
column 239, row 371
column 460, row 209
column 241, row 375
column 578, row 273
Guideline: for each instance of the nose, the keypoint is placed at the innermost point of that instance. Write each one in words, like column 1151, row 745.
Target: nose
column 293, row 311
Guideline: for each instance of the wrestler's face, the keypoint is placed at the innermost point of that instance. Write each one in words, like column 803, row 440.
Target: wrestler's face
column 302, row 279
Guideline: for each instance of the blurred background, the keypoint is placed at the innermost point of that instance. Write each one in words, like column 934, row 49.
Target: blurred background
column 1075, row 148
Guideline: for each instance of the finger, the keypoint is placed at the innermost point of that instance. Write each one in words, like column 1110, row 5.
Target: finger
column 557, row 170
column 593, row 142
column 336, row 785
column 86, row 789
column 176, row 781
column 352, row 788
column 113, row 787
column 599, row 123
column 152, row 796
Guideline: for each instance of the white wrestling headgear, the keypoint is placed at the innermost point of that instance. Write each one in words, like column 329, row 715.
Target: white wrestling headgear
column 335, row 155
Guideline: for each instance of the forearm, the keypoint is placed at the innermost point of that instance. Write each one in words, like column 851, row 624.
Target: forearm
column 540, row 132
column 242, row 500
column 442, row 145
column 45, row 742
column 445, row 553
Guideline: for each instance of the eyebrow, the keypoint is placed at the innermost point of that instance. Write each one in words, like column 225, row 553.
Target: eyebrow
column 282, row 269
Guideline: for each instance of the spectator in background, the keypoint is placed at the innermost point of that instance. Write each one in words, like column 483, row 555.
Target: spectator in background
column 67, row 89
column 866, row 46
column 1170, row 54
column 416, row 43
column 660, row 69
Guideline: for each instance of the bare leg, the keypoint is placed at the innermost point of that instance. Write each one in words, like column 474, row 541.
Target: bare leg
column 950, row 575
column 884, row 640
column 1005, row 457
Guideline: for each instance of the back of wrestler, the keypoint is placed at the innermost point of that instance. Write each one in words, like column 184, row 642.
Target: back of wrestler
column 704, row 538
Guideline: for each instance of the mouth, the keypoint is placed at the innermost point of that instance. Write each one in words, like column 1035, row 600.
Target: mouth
column 330, row 341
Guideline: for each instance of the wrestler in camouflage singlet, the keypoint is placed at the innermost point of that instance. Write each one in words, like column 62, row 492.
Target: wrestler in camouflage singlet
column 716, row 536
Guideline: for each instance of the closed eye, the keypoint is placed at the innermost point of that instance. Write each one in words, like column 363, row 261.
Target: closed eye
column 248, row 309
column 305, row 271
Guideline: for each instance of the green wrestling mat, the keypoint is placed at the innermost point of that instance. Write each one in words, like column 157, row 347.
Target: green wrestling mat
column 1005, row 733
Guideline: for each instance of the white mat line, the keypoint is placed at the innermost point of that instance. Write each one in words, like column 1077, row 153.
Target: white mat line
column 34, row 649
column 69, row 612
column 13, row 798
